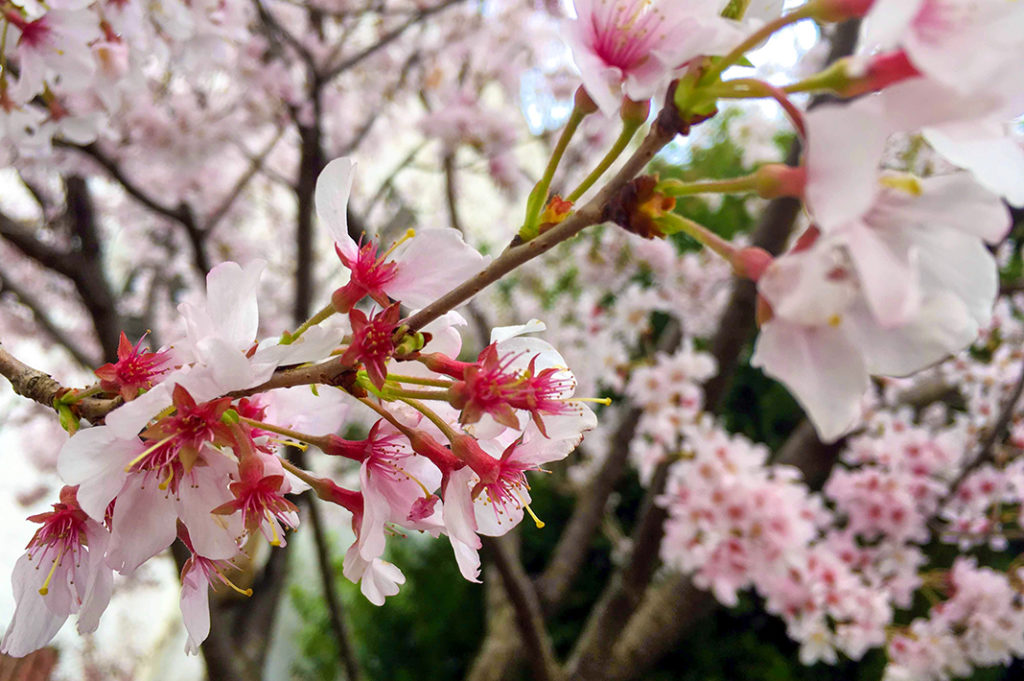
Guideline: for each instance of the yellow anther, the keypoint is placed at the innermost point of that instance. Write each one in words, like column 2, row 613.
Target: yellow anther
column 835, row 320
column 167, row 481
column 904, row 183
column 537, row 521
column 275, row 540
column 409, row 233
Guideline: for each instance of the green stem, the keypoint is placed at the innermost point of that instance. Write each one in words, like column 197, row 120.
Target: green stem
column 736, row 185
column 628, row 131
column 833, row 79
column 299, row 473
column 677, row 223
column 325, row 313
column 293, row 434
column 755, row 39
column 401, row 393
column 385, row 414
column 415, row 380
column 79, row 395
column 539, row 195
column 751, row 88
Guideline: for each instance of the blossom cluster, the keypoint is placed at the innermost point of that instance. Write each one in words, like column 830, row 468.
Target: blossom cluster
column 186, row 458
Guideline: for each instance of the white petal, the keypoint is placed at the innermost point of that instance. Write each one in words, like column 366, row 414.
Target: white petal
column 231, row 299
column 333, row 188
column 195, row 608
column 844, row 147
column 821, row 367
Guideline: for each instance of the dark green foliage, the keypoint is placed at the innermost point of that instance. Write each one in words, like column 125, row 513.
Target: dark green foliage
column 430, row 630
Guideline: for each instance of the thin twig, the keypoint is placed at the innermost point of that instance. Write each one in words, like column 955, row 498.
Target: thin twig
column 385, row 40
column 44, row 322
column 255, row 166
column 346, row 651
column 987, row 445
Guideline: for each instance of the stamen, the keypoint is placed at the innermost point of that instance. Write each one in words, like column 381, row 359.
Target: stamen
column 149, row 450
column 167, row 481
column 409, row 233
column 599, row 400
column 45, row 588
column 275, row 540
column 290, row 443
column 225, row 580
column 536, row 521
column 409, row 475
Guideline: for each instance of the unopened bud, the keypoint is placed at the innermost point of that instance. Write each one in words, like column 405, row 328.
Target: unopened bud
column 635, row 113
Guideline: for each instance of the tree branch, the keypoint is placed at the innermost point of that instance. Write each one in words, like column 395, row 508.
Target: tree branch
column 385, row 40
column 346, row 651
column 574, row 543
column 46, row 324
column 528, row 612
column 181, row 213
column 42, row 388
column 47, row 256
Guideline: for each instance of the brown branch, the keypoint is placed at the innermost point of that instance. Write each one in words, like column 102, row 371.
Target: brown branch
column 346, row 651
column 49, row 327
column 385, row 40
column 88, row 274
column 671, row 609
column 527, row 608
column 592, row 658
column 42, row 388
column 986, row 447
column 278, row 33
column 49, row 257
column 181, row 213
column 255, row 166
column 502, row 644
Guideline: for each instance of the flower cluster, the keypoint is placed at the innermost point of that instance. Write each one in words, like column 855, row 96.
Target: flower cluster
column 186, row 458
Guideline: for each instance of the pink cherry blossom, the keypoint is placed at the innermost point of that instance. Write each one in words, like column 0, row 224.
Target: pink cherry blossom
column 633, row 48
column 62, row 572
column 415, row 272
